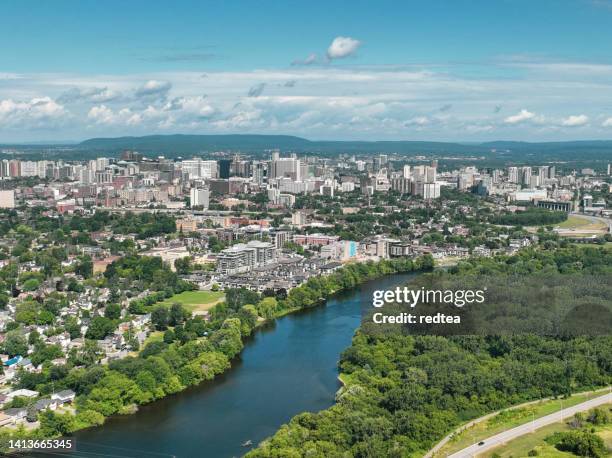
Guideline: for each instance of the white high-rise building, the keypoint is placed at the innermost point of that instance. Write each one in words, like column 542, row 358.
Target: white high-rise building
column 29, row 169
column 526, row 175
column 199, row 169
column 428, row 190
column 542, row 174
column 286, row 167
column 102, row 163
column 513, row 175
column 199, row 197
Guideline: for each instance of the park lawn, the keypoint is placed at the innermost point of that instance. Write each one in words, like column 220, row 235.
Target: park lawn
column 155, row 336
column 521, row 446
column 574, row 222
column 196, row 300
column 511, row 418
column 581, row 223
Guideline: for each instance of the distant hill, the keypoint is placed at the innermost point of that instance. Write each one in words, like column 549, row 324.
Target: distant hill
column 178, row 143
column 173, row 145
column 496, row 153
column 569, row 146
column 191, row 144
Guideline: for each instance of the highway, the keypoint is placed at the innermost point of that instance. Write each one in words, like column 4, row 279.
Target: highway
column 510, row 434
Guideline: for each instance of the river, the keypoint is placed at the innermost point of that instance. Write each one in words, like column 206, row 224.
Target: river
column 287, row 367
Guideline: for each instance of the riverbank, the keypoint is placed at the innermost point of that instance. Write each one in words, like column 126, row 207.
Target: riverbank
column 288, row 366
column 204, row 359
column 401, row 393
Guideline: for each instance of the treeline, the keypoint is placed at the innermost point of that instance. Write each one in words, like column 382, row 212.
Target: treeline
column 529, row 217
column 194, row 351
column 403, row 394
column 144, row 225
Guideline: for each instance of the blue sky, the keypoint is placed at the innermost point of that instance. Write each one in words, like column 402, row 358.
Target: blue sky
column 430, row 70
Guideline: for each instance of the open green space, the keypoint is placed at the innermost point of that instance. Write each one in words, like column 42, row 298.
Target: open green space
column 582, row 224
column 510, row 418
column 195, row 300
column 521, row 446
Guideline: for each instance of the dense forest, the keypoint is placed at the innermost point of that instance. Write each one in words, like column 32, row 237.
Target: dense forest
column 402, row 393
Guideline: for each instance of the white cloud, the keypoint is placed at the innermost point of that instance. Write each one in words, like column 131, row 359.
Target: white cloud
column 329, row 101
column 105, row 116
column 342, row 47
column 521, row 116
column 417, row 121
column 89, row 94
column 311, row 59
column 153, row 88
column 101, row 115
column 575, row 120
column 38, row 112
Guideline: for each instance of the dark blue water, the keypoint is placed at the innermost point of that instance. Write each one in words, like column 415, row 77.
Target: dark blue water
column 288, row 367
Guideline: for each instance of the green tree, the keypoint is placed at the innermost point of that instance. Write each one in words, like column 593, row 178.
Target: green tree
column 99, row 328
column 160, row 317
column 15, row 344
column 112, row 311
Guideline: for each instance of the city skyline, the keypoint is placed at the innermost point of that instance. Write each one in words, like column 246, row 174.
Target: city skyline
column 466, row 71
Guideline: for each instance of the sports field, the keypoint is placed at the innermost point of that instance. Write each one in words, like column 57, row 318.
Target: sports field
column 196, row 300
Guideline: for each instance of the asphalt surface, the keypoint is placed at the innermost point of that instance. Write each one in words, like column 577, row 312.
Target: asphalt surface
column 510, row 434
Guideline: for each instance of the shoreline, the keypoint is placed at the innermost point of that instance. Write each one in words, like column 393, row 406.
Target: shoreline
column 133, row 408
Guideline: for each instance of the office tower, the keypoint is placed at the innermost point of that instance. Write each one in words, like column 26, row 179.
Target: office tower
column 199, row 197
column 102, row 163
column 224, row 168
column 542, row 174
column 196, row 168
column 285, row 167
column 513, row 174
column 526, row 175
column 14, row 168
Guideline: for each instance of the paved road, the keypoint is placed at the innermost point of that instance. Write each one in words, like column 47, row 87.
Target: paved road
column 527, row 428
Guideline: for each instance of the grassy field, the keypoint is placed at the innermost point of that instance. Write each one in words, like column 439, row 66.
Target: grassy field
column 574, row 222
column 196, row 300
column 521, row 446
column 155, row 336
column 607, row 245
column 582, row 223
column 510, row 418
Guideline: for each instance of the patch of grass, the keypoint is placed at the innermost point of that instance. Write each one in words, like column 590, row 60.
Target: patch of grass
column 581, row 224
column 521, row 446
column 195, row 300
column 574, row 222
column 155, row 336
column 511, row 418
column 606, row 435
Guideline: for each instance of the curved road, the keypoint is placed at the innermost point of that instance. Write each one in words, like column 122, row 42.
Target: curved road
column 508, row 435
